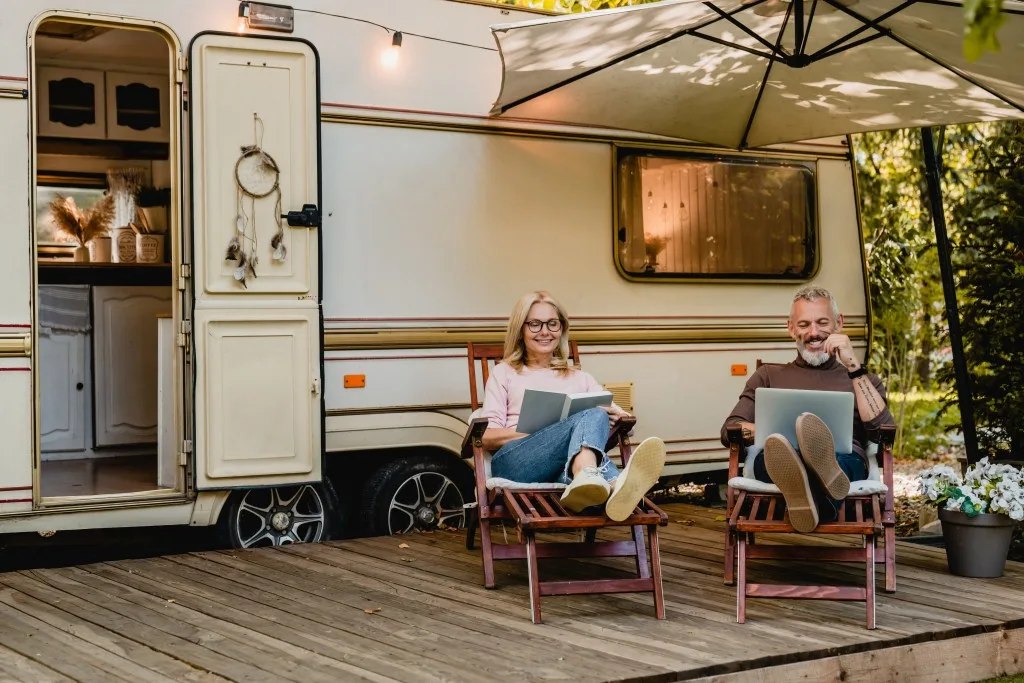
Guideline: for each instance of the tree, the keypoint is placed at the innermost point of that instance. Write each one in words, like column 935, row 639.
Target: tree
column 988, row 250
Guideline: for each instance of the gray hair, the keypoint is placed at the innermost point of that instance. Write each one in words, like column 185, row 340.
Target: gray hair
column 813, row 293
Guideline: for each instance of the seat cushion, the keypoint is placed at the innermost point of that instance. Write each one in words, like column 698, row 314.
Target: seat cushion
column 500, row 483
column 864, row 487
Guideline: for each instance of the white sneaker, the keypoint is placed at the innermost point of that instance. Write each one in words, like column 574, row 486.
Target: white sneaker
column 638, row 476
column 588, row 488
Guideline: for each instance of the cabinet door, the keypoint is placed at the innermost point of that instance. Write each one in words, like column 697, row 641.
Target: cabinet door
column 137, row 107
column 125, row 366
column 71, row 103
column 62, row 388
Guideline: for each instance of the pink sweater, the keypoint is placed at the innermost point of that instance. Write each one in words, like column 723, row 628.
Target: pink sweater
column 503, row 395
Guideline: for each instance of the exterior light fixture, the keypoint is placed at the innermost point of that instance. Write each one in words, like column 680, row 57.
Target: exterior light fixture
column 389, row 57
column 265, row 16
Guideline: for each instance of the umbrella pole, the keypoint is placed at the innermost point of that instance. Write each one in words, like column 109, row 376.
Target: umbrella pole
column 963, row 380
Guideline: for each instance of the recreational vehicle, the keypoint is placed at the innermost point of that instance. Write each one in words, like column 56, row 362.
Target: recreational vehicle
column 245, row 246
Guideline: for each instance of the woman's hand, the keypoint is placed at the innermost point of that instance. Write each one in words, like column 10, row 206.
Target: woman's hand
column 615, row 414
column 494, row 438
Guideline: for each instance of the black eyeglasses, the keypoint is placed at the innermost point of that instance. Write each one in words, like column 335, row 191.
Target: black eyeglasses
column 534, row 325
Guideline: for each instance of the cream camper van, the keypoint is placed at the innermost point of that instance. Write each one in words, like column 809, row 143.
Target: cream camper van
column 271, row 335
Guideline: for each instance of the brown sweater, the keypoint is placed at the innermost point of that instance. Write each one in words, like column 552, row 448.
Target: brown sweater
column 832, row 376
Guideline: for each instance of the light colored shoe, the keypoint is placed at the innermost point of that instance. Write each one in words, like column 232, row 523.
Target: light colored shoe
column 587, row 488
column 637, row 477
column 818, row 450
column 788, row 473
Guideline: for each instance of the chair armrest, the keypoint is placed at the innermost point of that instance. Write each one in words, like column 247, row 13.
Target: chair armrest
column 886, row 439
column 620, row 433
column 735, row 436
column 474, row 434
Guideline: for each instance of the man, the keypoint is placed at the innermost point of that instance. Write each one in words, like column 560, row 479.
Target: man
column 812, row 476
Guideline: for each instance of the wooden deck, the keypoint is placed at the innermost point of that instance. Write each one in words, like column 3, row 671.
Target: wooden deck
column 371, row 609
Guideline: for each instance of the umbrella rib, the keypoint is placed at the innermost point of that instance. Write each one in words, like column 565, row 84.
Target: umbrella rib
column 623, row 57
column 741, row 26
column 802, row 47
column 736, row 46
column 868, row 23
column 905, row 43
column 764, row 80
column 849, row 46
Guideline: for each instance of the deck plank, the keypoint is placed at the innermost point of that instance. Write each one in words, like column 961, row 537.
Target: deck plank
column 365, row 609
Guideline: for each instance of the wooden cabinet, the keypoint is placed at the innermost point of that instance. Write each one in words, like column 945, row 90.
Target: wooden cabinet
column 137, row 107
column 71, row 103
column 64, row 382
column 111, row 105
column 125, row 362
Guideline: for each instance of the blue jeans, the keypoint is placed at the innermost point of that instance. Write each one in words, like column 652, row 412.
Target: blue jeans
column 545, row 455
column 851, row 464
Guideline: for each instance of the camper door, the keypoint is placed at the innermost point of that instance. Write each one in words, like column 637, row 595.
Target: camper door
column 258, row 342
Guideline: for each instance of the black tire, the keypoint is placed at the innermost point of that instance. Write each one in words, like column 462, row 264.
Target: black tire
column 255, row 518
column 418, row 492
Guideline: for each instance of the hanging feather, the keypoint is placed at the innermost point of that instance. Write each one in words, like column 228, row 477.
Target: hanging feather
column 240, row 270
column 277, row 244
column 234, row 249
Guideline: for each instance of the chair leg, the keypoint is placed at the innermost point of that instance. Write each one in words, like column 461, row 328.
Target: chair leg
column 471, row 525
column 741, row 583
column 486, row 553
column 890, row 559
column 659, row 592
column 590, row 535
column 869, row 551
column 730, row 557
column 533, row 575
column 640, row 552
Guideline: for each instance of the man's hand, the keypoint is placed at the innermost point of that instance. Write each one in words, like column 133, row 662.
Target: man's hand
column 748, row 431
column 615, row 414
column 839, row 345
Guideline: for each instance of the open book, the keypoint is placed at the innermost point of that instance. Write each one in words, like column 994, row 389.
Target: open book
column 542, row 408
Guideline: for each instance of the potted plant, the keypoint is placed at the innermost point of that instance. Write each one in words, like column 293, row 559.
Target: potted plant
column 81, row 226
column 978, row 511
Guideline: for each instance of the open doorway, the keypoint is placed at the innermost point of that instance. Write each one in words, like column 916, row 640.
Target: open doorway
column 104, row 234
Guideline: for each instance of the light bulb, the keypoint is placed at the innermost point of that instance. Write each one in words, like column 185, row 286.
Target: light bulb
column 389, row 57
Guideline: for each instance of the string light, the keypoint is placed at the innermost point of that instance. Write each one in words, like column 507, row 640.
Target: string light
column 389, row 57
column 396, row 34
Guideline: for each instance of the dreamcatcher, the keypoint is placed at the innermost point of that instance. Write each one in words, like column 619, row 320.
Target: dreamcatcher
column 257, row 176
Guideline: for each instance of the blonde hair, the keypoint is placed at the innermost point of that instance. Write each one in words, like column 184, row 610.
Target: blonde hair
column 813, row 293
column 515, row 341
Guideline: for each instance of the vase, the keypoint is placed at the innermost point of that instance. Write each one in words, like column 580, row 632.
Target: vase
column 123, row 249
column 99, row 249
column 81, row 254
column 976, row 546
column 156, row 216
column 149, row 248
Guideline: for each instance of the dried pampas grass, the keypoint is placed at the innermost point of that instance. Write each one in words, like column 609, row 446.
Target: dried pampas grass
column 81, row 225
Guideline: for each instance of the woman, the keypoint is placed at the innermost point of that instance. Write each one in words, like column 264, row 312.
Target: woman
column 571, row 451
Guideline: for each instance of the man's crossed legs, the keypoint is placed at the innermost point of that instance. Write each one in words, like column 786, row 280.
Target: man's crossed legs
column 812, row 478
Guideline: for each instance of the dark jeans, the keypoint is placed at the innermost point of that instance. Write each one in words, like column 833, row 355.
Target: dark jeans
column 828, row 508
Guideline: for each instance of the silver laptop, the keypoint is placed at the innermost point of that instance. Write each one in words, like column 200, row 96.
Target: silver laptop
column 776, row 410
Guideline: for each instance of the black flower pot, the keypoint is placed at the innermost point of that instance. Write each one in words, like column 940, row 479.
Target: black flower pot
column 976, row 546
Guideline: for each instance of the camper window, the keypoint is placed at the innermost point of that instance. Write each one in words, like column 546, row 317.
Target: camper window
column 710, row 218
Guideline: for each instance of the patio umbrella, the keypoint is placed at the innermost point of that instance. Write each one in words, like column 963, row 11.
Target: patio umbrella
column 747, row 73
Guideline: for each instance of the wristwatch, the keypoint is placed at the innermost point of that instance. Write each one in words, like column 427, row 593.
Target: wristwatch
column 859, row 372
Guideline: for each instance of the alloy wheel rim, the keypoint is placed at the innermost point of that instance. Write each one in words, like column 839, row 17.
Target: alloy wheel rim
column 428, row 500
column 280, row 516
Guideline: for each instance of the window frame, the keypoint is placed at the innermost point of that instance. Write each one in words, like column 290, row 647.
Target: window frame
column 775, row 160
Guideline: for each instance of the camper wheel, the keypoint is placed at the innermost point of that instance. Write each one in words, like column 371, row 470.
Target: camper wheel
column 418, row 492
column 279, row 515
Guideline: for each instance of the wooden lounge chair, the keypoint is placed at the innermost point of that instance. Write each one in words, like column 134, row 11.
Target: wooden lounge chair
column 534, row 508
column 757, row 507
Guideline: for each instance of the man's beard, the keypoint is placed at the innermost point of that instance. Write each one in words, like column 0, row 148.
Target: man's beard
column 812, row 358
